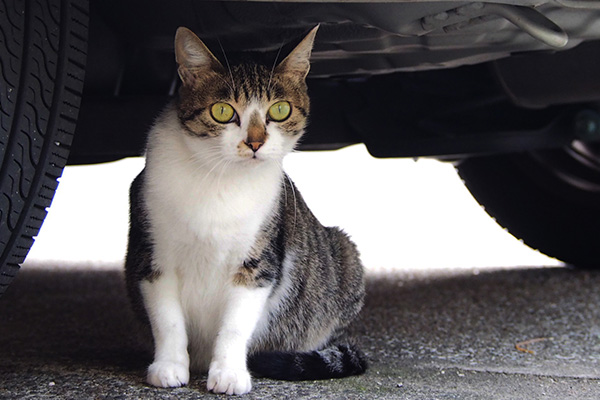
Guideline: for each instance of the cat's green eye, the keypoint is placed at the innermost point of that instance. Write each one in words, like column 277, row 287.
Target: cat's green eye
column 280, row 111
column 222, row 112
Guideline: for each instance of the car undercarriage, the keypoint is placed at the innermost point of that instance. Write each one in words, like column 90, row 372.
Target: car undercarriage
column 508, row 90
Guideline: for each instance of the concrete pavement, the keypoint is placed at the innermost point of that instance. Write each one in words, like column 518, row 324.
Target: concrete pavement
column 69, row 333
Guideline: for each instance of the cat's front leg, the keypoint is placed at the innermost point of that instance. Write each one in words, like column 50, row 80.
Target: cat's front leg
column 228, row 372
column 171, row 360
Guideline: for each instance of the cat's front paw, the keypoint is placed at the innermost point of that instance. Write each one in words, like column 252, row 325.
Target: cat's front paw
column 229, row 380
column 168, row 374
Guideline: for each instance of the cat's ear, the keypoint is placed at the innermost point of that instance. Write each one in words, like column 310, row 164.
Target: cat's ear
column 298, row 61
column 192, row 55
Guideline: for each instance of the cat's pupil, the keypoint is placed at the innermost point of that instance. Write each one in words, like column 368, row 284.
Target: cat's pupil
column 222, row 112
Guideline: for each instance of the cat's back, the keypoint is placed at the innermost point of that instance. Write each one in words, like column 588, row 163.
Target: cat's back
column 329, row 245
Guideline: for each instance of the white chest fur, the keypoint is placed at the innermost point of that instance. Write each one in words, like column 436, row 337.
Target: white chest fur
column 204, row 220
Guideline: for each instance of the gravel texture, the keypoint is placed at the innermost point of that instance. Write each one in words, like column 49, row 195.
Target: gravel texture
column 68, row 333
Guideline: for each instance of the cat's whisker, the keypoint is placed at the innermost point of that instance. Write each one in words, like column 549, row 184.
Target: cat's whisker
column 197, row 161
column 284, row 191
column 226, row 165
column 210, row 154
column 218, row 164
column 273, row 67
column 295, row 200
column 283, row 185
column 228, row 66
column 202, row 165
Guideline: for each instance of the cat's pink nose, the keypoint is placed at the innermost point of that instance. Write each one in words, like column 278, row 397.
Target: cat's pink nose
column 254, row 145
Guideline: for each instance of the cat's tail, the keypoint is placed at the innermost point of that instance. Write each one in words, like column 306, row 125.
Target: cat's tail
column 337, row 361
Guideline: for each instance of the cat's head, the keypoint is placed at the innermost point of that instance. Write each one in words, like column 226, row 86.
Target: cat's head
column 245, row 113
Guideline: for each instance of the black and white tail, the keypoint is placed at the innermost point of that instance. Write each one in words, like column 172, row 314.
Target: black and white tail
column 337, row 361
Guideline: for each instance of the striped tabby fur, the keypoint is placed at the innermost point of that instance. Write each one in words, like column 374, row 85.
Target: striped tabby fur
column 225, row 259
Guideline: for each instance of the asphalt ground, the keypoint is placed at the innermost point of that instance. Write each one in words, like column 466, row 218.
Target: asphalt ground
column 433, row 327
column 67, row 332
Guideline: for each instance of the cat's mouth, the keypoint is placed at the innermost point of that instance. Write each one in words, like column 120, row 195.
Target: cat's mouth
column 252, row 158
column 256, row 158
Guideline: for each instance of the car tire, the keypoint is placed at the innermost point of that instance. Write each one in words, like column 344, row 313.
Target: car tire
column 43, row 48
column 549, row 199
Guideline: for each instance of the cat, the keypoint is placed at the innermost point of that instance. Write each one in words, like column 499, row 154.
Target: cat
column 225, row 260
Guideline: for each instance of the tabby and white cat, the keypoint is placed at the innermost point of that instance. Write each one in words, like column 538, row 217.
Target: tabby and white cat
column 225, row 260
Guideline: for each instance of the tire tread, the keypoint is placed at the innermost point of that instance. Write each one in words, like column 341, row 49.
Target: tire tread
column 535, row 213
column 40, row 106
